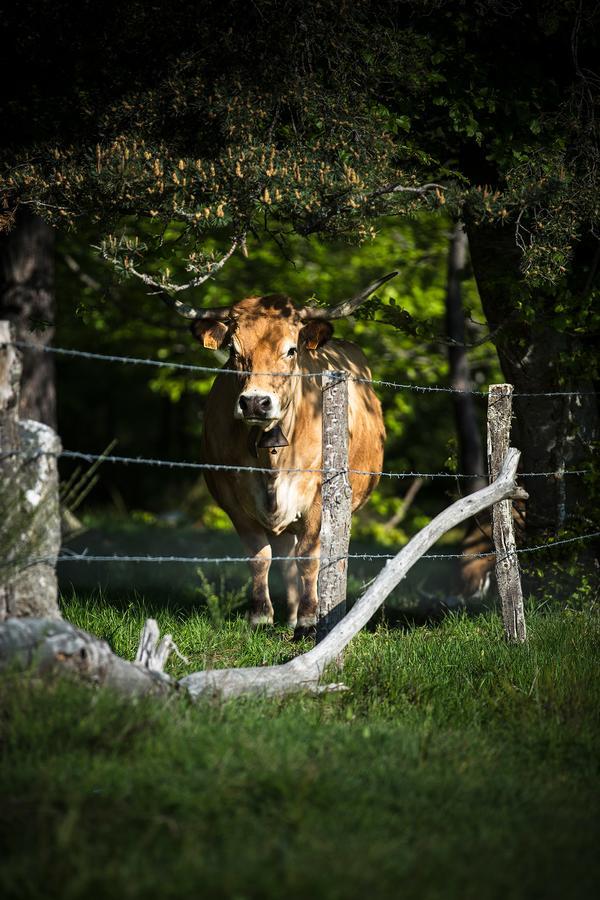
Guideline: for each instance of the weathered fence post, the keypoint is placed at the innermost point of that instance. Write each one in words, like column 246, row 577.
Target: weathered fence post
column 507, row 566
column 29, row 508
column 336, row 499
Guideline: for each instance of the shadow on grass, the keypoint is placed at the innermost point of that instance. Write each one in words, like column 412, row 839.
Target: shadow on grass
column 426, row 594
column 219, row 602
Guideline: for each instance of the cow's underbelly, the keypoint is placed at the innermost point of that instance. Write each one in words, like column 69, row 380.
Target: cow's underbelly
column 277, row 503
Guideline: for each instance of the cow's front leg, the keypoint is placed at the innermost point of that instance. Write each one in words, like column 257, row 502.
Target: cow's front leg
column 283, row 545
column 308, row 546
column 261, row 608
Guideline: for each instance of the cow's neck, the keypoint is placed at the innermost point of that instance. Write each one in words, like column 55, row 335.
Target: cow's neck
column 268, row 446
column 292, row 427
column 302, row 429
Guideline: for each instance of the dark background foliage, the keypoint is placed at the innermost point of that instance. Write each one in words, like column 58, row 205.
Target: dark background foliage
column 167, row 135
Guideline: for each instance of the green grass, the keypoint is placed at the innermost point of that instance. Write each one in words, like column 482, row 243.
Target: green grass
column 455, row 767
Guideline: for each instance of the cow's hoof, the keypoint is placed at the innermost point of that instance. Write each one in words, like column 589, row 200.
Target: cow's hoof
column 260, row 621
column 301, row 632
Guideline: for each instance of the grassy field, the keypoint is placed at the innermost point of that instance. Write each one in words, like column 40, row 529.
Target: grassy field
column 454, row 767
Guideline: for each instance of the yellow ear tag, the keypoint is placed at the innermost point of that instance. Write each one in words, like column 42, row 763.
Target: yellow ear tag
column 214, row 336
column 209, row 342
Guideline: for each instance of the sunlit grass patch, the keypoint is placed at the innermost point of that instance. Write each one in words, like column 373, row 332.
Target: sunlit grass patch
column 455, row 766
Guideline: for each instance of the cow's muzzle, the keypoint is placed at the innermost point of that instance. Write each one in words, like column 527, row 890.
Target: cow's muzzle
column 255, row 407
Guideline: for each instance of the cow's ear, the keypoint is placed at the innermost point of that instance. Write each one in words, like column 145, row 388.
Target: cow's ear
column 211, row 334
column 316, row 333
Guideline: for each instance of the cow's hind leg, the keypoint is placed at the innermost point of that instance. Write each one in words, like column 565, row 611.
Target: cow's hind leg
column 283, row 545
column 308, row 546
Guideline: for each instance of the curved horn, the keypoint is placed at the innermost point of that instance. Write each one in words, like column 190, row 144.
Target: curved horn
column 189, row 312
column 346, row 307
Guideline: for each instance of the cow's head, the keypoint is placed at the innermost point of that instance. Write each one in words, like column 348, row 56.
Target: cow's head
column 268, row 339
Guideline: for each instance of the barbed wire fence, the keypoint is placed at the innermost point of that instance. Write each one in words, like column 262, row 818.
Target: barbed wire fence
column 216, row 370
column 332, row 554
column 68, row 556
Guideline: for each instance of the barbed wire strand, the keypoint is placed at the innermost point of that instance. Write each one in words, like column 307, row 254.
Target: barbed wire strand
column 162, row 364
column 197, row 560
column 140, row 361
column 181, row 464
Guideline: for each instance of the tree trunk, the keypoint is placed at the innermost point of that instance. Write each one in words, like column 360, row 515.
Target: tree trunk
column 470, row 452
column 27, row 300
column 553, row 433
column 29, row 506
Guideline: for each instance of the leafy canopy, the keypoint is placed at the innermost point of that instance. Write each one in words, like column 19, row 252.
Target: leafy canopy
column 313, row 116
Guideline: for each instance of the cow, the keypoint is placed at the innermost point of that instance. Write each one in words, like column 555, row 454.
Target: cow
column 268, row 417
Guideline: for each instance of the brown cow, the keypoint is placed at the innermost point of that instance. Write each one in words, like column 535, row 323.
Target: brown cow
column 274, row 422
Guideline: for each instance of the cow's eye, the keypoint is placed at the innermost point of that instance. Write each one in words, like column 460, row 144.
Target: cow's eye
column 292, row 351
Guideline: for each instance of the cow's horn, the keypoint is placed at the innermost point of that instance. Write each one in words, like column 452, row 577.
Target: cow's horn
column 190, row 312
column 346, row 307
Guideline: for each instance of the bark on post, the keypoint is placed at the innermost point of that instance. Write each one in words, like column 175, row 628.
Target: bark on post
column 336, row 499
column 29, row 508
column 507, row 566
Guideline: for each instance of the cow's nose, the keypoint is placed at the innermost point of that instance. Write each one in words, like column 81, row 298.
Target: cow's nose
column 264, row 403
column 253, row 406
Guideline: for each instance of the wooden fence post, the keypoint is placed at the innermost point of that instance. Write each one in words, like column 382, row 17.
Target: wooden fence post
column 336, row 500
column 507, row 566
column 29, row 508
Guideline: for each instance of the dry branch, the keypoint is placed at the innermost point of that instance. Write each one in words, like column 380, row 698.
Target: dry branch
column 166, row 286
column 54, row 646
column 153, row 653
column 406, row 502
column 305, row 671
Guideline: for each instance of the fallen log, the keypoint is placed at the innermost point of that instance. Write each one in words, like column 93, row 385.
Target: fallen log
column 46, row 645
column 52, row 646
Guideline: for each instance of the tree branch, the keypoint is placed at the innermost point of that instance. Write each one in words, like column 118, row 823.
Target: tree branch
column 239, row 241
column 335, row 208
column 405, row 189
